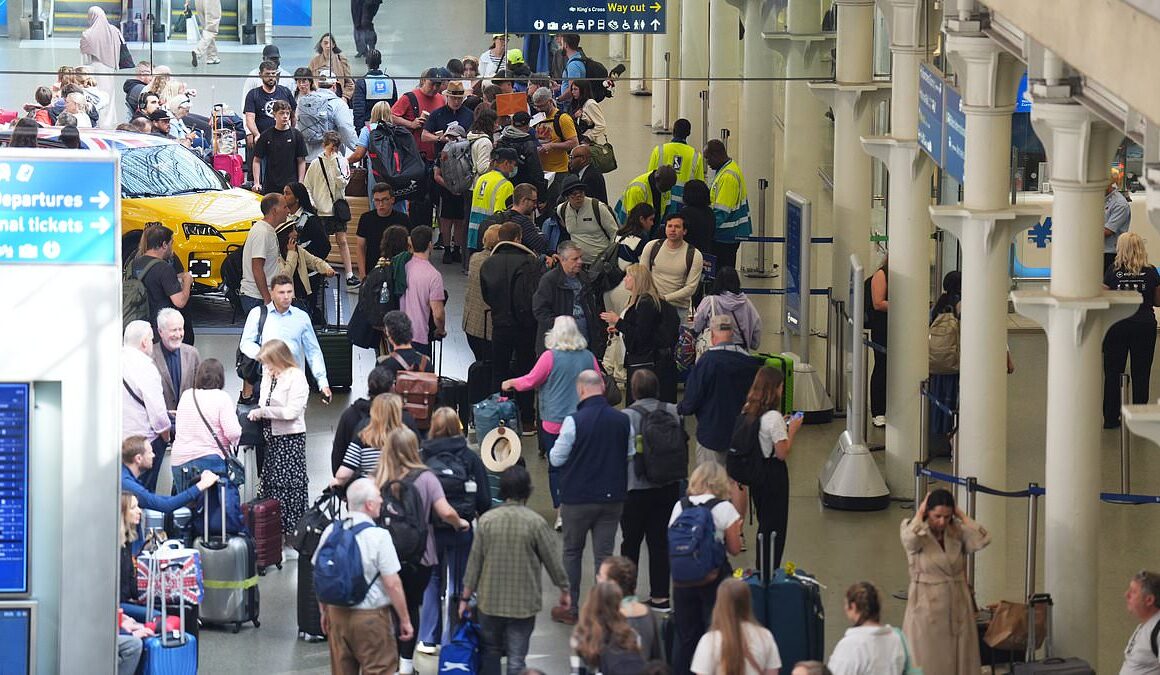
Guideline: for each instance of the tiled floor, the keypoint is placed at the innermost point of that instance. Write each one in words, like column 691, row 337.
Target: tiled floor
column 839, row 547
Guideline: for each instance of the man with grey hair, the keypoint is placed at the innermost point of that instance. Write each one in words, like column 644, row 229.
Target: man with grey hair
column 363, row 636
column 143, row 411
column 557, row 135
column 591, row 453
column 564, row 291
column 1142, row 655
column 175, row 360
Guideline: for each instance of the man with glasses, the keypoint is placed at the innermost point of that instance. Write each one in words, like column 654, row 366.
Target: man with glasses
column 580, row 166
column 1142, row 655
column 373, row 223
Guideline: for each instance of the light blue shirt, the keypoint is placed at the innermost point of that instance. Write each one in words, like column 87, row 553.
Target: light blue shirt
column 558, row 456
column 573, row 69
column 292, row 327
column 1117, row 218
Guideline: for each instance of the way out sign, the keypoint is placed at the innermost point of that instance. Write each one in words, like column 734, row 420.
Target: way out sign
column 578, row 16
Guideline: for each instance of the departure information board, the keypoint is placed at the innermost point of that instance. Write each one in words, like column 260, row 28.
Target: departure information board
column 14, row 488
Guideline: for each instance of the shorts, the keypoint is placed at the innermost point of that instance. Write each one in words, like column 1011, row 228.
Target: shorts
column 333, row 225
column 705, row 455
column 451, row 206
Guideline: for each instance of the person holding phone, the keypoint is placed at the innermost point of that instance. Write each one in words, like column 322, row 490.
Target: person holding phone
column 940, row 617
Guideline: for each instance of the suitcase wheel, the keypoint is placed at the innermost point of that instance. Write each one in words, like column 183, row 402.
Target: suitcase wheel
column 237, row 627
column 279, row 566
column 262, row 572
column 256, row 624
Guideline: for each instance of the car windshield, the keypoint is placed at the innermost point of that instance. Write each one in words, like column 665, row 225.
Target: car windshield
column 164, row 171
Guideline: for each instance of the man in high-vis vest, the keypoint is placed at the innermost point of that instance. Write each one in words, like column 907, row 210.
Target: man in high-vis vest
column 685, row 160
column 491, row 192
column 730, row 204
column 652, row 188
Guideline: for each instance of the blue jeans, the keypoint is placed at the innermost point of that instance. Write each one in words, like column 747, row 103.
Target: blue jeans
column 249, row 303
column 423, row 348
column 189, row 473
column 502, row 635
column 446, row 583
column 547, row 440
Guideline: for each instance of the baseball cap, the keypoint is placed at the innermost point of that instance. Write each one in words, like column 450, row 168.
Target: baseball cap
column 160, row 114
column 497, row 36
column 443, row 74
column 515, row 56
column 271, row 52
column 521, row 118
column 455, row 129
column 721, row 322
column 430, row 74
column 505, row 155
column 454, row 88
column 326, row 78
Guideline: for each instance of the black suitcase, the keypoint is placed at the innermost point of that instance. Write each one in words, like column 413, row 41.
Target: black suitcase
column 309, row 617
column 1049, row 664
column 479, row 381
column 337, row 352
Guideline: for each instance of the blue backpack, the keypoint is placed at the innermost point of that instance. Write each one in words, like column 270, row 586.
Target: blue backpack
column 694, row 553
column 338, row 572
column 462, row 654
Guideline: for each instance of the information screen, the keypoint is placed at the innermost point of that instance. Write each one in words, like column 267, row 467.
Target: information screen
column 14, row 488
column 16, row 640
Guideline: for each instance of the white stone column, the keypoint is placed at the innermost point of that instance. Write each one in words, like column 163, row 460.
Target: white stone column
column 1076, row 312
column 694, row 66
column 664, row 53
column 637, row 63
column 618, row 48
column 909, row 227
column 724, row 68
column 984, row 226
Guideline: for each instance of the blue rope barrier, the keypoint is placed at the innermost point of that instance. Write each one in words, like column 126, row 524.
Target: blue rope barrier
column 944, row 477
column 1037, row 490
column 1122, row 498
column 781, row 240
column 874, row 345
column 937, row 403
column 781, row 291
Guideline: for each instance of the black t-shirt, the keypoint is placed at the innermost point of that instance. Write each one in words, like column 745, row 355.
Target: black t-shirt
column 699, row 227
column 1145, row 282
column 371, row 227
column 411, row 356
column 160, row 282
column 439, row 118
column 261, row 104
column 279, row 152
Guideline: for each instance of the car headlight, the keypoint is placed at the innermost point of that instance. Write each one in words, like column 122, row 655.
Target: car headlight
column 201, row 230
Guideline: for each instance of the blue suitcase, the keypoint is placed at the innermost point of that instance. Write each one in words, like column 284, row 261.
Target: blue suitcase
column 171, row 652
column 789, row 605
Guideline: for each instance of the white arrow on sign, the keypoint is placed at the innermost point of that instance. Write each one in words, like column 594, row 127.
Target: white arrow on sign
column 102, row 226
column 101, row 200
column 656, row 24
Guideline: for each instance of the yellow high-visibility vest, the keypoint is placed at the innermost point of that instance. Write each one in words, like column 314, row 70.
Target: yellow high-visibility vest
column 491, row 193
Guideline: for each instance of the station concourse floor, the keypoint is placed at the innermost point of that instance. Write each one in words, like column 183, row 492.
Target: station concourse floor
column 838, row 547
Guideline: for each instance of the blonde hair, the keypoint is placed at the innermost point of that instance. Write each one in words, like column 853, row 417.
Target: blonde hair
column 398, row 457
column 276, row 356
column 1131, row 254
column 386, row 416
column 128, row 532
column 642, row 284
column 381, row 112
column 491, row 237
column 445, row 423
column 709, row 478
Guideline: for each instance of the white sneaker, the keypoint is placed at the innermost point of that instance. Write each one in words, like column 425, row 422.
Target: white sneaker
column 289, row 554
column 425, row 648
column 879, row 421
column 559, row 524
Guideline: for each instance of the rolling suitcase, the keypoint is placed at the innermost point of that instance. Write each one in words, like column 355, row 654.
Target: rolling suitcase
column 479, row 382
column 337, row 351
column 309, row 615
column 264, row 521
column 452, row 391
column 305, row 540
column 1049, row 664
column 171, row 652
column 229, row 566
column 783, row 363
column 790, row 607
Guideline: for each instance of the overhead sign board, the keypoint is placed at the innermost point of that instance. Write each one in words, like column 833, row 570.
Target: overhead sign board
column 1023, row 96
column 954, row 146
column 575, row 16
column 797, row 251
column 59, row 207
column 930, row 111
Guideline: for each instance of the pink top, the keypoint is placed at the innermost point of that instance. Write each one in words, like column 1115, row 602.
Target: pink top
column 537, row 377
column 424, row 284
column 193, row 440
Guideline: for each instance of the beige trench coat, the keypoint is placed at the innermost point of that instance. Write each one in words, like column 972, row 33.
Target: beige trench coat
column 940, row 617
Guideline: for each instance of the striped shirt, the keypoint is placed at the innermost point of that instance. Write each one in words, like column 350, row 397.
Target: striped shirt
column 361, row 460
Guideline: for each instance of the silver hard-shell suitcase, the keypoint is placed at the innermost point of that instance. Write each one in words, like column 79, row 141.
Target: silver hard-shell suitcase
column 229, row 567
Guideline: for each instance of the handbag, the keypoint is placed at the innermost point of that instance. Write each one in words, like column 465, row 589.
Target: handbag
column 237, row 471
column 248, row 369
column 603, row 157
column 908, row 667
column 341, row 208
column 125, row 58
column 1008, row 627
column 612, row 390
column 614, row 357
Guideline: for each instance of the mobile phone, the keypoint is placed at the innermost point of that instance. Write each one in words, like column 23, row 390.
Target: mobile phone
column 326, row 399
column 798, row 415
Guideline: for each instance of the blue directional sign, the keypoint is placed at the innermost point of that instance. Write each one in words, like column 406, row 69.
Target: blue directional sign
column 797, row 250
column 930, row 111
column 575, row 16
column 59, row 207
column 954, row 135
column 1023, row 96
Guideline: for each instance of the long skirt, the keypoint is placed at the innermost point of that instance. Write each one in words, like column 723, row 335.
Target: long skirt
column 284, row 476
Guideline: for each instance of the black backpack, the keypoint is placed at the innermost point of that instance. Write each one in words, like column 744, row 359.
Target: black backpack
column 605, row 272
column 670, row 328
column 375, row 299
column 395, row 159
column 663, row 455
column 867, row 302
column 525, row 281
column 596, row 74
column 403, row 515
column 453, row 471
column 744, row 462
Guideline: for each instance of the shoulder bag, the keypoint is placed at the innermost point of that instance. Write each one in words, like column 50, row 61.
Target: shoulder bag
column 341, row 207
column 234, row 466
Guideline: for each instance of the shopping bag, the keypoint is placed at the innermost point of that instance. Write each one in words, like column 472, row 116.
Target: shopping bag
column 1008, row 627
column 614, row 358
column 181, row 573
column 192, row 32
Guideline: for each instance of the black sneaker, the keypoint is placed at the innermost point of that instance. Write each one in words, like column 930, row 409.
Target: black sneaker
column 456, row 254
column 449, row 256
column 194, row 58
column 659, row 605
column 353, row 282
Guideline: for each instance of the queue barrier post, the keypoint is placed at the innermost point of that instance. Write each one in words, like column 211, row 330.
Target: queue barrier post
column 1125, row 436
column 1029, row 572
column 972, row 486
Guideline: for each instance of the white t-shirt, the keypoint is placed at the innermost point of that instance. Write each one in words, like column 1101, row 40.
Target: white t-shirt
column 724, row 514
column 773, row 430
column 758, row 642
column 1138, row 656
column 262, row 242
column 868, row 650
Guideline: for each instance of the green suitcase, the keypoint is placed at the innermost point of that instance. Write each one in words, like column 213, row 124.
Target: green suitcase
column 785, row 365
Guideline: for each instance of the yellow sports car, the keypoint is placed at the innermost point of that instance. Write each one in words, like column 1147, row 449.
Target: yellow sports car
column 163, row 181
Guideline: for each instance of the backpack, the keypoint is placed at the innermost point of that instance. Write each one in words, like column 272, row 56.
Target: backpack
column 314, row 117
column 404, row 517
column 419, row 389
column 380, row 88
column 662, row 446
column 744, row 461
column 453, row 472
column 617, row 661
column 670, row 328
column 375, row 299
column 656, row 250
column 338, row 571
column 395, row 159
column 597, row 75
column 457, row 166
column 695, row 555
column 134, row 297
column 944, row 344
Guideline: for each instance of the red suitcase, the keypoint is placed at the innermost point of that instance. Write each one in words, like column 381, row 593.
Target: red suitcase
column 264, row 520
column 232, row 165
